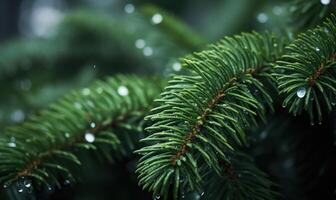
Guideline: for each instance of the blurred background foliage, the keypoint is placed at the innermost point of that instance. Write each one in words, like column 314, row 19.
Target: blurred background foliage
column 50, row 47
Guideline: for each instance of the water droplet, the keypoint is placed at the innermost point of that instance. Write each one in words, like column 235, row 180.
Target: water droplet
column 317, row 49
column 27, row 183
column 301, row 92
column 67, row 182
column 122, row 90
column 20, row 190
column 178, row 162
column 157, row 18
column 5, row 185
column 202, row 194
column 157, row 197
column 177, row 66
column 12, row 139
column 92, row 125
column 78, row 105
column 326, row 30
column 148, row 51
column 129, row 8
column 325, row 2
column 263, row 135
column 312, row 123
column 293, row 8
column 90, row 103
column 11, row 144
column 140, row 43
column 275, row 44
column 67, row 135
column 86, row 91
column 100, row 90
column 277, row 10
column 89, row 137
column 25, row 84
column 262, row 18
column 17, row 116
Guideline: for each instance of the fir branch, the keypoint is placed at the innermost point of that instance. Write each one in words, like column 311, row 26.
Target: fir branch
column 107, row 117
column 203, row 115
column 306, row 73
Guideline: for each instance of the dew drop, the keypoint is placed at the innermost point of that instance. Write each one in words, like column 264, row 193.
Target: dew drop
column 263, row 135
column 157, row 18
column 122, row 91
column 325, row 2
column 326, row 30
column 148, row 51
column 12, row 139
column 17, row 116
column 277, row 10
column 25, row 84
column 20, row 190
column 177, row 66
column 99, row 90
column 86, row 91
column 301, row 92
column 67, row 135
column 67, row 182
column 90, row 103
column 89, row 137
column 202, row 194
column 27, row 183
column 129, row 8
column 11, row 144
column 78, row 105
column 157, row 197
column 317, row 49
column 178, row 162
column 262, row 18
column 92, row 124
column 140, row 43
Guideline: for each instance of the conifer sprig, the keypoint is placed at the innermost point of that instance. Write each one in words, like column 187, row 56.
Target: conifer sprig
column 107, row 117
column 306, row 74
column 203, row 115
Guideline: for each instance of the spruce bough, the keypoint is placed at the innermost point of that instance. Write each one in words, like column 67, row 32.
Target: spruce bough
column 195, row 137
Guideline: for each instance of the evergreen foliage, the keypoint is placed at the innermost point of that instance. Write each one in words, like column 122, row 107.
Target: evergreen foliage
column 197, row 122
column 107, row 118
column 306, row 73
column 197, row 135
